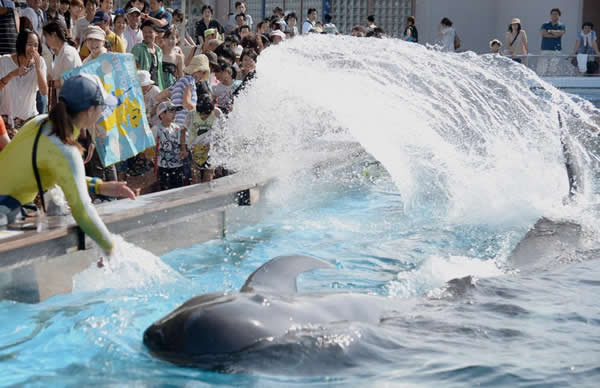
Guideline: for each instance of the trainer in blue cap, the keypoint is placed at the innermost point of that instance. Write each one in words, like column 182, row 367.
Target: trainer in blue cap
column 83, row 91
column 47, row 153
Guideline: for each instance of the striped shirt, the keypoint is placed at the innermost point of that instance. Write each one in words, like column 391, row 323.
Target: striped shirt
column 177, row 91
column 8, row 28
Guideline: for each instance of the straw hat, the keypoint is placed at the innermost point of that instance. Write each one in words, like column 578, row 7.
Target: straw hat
column 516, row 21
column 94, row 32
column 198, row 63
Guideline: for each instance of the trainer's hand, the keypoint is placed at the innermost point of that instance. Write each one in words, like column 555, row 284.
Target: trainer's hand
column 116, row 189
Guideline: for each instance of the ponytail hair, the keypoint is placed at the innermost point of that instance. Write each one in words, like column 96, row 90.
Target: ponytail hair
column 60, row 29
column 62, row 124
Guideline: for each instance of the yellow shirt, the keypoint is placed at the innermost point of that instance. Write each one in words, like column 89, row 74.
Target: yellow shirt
column 115, row 43
column 58, row 164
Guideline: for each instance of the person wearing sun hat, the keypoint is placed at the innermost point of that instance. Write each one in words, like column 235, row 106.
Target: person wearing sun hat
column 94, row 41
column 112, row 43
column 516, row 41
column 47, row 153
column 150, row 91
column 170, row 156
column 277, row 36
column 183, row 92
column 496, row 47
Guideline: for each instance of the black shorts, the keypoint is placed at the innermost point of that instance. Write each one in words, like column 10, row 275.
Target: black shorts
column 170, row 178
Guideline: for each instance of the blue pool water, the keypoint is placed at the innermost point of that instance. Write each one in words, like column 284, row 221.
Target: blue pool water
column 472, row 159
column 510, row 329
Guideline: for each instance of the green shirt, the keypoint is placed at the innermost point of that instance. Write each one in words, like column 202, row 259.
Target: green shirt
column 143, row 59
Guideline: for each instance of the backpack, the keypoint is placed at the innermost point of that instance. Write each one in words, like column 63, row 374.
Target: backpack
column 457, row 41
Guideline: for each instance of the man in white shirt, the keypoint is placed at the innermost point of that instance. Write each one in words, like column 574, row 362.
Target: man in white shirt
column 132, row 32
column 34, row 13
column 309, row 24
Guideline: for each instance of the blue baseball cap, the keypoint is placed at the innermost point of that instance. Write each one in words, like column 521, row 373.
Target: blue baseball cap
column 100, row 17
column 83, row 91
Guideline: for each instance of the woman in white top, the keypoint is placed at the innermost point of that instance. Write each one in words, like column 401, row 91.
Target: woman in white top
column 66, row 56
column 516, row 41
column 448, row 35
column 21, row 76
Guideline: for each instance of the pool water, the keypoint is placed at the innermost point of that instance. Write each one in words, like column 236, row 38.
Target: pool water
column 470, row 159
column 509, row 329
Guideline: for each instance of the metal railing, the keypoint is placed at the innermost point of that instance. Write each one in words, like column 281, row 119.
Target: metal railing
column 560, row 65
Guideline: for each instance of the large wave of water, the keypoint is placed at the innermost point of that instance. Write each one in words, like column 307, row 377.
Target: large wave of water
column 473, row 138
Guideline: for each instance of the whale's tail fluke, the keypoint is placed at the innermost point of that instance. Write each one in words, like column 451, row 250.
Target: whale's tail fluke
column 574, row 173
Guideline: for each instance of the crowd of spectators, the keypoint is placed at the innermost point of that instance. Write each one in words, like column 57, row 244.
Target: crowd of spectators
column 189, row 81
column 585, row 55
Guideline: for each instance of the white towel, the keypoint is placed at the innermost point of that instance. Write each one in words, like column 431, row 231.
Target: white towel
column 587, row 39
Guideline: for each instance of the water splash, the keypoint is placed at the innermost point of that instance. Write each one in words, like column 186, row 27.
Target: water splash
column 436, row 271
column 129, row 266
column 465, row 135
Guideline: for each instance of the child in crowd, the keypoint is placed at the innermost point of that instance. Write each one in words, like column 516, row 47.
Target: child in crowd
column 169, row 156
column 141, row 164
column 224, row 90
column 150, row 91
column 199, row 125
column 496, row 47
column 180, row 24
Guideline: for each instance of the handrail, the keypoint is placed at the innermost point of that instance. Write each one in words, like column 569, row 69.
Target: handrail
column 554, row 65
column 549, row 56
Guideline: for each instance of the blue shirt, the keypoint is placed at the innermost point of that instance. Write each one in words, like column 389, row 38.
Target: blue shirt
column 162, row 14
column 552, row 44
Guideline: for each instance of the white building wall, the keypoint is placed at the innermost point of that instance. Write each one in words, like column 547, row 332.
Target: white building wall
column 479, row 21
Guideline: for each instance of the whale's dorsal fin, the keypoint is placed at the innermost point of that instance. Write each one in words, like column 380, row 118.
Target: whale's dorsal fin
column 280, row 273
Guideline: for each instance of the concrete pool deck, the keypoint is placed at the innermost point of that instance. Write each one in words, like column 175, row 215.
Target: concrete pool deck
column 35, row 265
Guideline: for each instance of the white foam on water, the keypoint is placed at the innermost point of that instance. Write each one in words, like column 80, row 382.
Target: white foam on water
column 436, row 271
column 129, row 266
